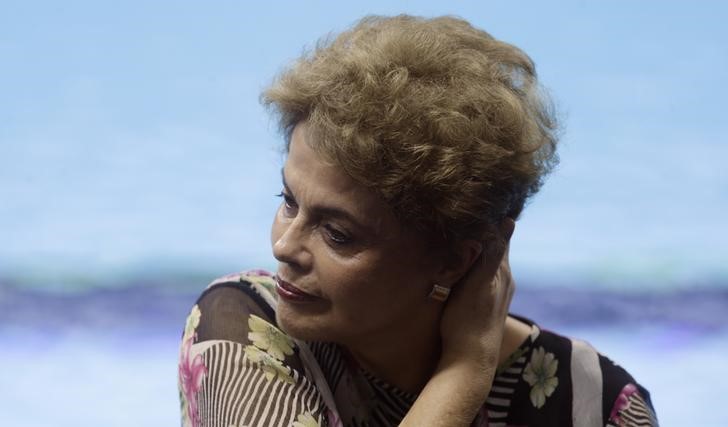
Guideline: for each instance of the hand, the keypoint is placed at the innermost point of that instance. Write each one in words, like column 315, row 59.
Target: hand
column 474, row 318
column 472, row 330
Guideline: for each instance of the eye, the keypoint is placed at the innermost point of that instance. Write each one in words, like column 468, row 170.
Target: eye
column 290, row 207
column 336, row 236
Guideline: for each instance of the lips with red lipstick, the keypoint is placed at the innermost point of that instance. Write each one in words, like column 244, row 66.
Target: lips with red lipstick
column 289, row 292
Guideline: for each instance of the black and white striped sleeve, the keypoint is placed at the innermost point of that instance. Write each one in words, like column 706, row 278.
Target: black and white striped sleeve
column 238, row 369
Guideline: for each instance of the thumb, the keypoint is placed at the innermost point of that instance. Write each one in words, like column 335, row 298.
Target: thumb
column 507, row 226
column 498, row 248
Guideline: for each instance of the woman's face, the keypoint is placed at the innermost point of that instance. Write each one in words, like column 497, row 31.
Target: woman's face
column 347, row 270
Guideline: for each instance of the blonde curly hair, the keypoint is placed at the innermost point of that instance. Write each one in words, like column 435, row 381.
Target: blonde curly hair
column 447, row 124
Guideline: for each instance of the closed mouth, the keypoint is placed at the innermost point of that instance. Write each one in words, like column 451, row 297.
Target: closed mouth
column 288, row 290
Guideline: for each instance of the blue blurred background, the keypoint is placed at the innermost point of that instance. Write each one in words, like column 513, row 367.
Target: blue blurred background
column 136, row 165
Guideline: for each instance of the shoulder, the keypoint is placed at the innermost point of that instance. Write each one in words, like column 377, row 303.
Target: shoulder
column 626, row 402
column 258, row 284
column 228, row 301
column 601, row 390
column 236, row 367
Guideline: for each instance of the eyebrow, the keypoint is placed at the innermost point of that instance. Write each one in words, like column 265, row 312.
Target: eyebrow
column 329, row 211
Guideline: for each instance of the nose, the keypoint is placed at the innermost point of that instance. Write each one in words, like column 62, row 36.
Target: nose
column 290, row 243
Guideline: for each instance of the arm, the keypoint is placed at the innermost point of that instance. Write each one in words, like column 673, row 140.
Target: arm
column 632, row 408
column 237, row 368
column 452, row 397
column 472, row 331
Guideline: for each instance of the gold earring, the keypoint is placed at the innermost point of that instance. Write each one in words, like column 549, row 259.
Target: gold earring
column 439, row 293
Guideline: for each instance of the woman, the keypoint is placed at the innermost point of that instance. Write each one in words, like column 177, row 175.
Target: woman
column 413, row 145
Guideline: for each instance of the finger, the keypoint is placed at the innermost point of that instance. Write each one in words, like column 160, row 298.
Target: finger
column 507, row 226
column 506, row 229
column 497, row 247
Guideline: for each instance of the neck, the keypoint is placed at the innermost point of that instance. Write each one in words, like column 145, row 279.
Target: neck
column 406, row 356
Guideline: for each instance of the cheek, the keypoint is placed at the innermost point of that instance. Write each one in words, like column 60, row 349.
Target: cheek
column 372, row 282
column 277, row 228
column 374, row 299
column 345, row 282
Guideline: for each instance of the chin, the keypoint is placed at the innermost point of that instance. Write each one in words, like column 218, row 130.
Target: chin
column 300, row 326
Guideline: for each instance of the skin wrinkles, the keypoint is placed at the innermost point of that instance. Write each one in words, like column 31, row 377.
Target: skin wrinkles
column 368, row 224
column 372, row 290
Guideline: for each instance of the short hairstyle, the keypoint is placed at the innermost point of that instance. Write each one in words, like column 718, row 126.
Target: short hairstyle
column 447, row 124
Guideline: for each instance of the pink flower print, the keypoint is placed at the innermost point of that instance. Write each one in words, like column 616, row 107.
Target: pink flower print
column 191, row 373
column 481, row 419
column 333, row 418
column 622, row 403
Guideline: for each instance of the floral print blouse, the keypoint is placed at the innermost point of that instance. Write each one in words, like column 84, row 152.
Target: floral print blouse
column 236, row 368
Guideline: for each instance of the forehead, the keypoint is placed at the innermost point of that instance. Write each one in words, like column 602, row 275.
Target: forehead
column 303, row 161
column 316, row 181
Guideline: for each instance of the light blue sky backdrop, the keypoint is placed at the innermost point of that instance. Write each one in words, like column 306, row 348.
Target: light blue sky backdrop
column 131, row 137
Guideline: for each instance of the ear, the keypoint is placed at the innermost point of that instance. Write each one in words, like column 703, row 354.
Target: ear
column 468, row 251
column 455, row 265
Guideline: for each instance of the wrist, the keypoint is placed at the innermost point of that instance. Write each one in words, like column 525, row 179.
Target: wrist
column 467, row 372
column 453, row 395
column 475, row 361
